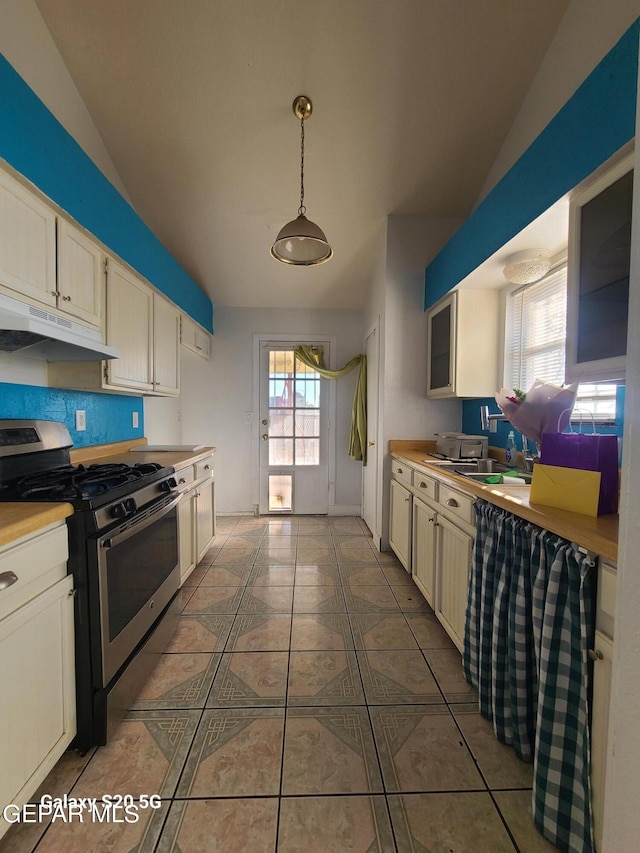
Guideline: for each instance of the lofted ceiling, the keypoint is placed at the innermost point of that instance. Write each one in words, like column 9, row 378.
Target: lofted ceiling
column 412, row 101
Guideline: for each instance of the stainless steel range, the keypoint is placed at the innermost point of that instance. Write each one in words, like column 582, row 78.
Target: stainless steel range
column 123, row 553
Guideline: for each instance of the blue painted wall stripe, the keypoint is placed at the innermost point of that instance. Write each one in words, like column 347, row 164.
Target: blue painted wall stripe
column 594, row 123
column 109, row 416
column 34, row 142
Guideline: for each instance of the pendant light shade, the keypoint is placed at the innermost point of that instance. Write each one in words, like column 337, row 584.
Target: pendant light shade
column 301, row 242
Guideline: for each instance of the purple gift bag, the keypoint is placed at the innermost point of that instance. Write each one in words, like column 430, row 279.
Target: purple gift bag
column 590, row 452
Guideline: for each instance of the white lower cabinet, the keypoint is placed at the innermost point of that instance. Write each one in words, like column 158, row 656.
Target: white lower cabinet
column 400, row 523
column 423, row 556
column 432, row 531
column 196, row 513
column 37, row 672
column 453, row 548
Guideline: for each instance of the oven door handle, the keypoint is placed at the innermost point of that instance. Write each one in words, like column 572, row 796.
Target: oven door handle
column 112, row 541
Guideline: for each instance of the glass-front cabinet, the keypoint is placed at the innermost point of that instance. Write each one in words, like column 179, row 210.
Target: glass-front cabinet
column 598, row 274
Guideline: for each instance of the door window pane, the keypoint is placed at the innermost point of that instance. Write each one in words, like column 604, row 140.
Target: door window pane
column 308, row 423
column 281, row 451
column 307, row 451
column 308, row 393
column 280, row 422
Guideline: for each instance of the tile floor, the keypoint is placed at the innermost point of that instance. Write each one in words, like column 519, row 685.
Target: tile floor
column 310, row 702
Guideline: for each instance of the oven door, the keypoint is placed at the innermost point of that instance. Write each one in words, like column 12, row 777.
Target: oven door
column 138, row 575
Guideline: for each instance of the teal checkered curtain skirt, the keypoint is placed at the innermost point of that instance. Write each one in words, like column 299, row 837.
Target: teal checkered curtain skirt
column 527, row 634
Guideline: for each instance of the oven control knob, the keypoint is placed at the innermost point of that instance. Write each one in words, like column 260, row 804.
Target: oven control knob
column 130, row 506
column 119, row 510
column 168, row 484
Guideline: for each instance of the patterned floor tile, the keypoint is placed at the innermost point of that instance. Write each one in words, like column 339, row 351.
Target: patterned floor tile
column 145, row 755
column 200, row 633
column 266, row 599
column 334, row 825
column 420, row 749
column 515, row 807
column 178, row 681
column 235, row 556
column 370, row 599
column 347, row 524
column 226, row 825
column 276, row 557
column 243, row 540
column 250, row 680
column 235, row 753
column 226, row 576
column 328, row 575
column 329, row 751
column 321, row 556
column 266, row 632
column 498, row 762
column 314, row 541
column 428, row 631
column 362, row 574
column 313, row 527
column 410, row 599
column 381, row 631
column 446, row 665
column 464, row 822
column 394, row 677
column 397, row 576
column 318, row 599
column 311, row 631
column 388, row 558
column 196, row 575
column 348, row 554
column 224, row 600
column 324, row 678
column 265, row 575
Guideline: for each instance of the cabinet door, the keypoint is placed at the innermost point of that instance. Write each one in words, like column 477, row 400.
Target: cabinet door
column 452, row 577
column 423, row 552
column 187, row 535
column 37, row 700
column 193, row 337
column 80, row 274
column 441, row 348
column 400, row 523
column 166, row 347
column 599, row 728
column 129, row 328
column 27, row 243
column 598, row 266
column 205, row 517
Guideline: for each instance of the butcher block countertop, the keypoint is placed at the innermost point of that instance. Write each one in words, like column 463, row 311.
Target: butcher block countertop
column 599, row 534
column 21, row 519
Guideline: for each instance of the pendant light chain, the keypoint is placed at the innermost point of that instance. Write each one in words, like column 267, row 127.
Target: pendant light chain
column 302, row 209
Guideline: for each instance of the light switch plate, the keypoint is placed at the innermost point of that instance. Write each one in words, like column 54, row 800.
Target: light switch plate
column 135, row 423
column 81, row 420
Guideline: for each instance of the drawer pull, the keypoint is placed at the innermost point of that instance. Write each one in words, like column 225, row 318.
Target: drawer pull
column 595, row 655
column 7, row 579
column 182, row 481
column 422, row 484
column 207, row 467
column 451, row 502
column 399, row 471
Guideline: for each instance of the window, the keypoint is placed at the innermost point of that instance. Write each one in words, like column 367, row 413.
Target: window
column 294, row 411
column 535, row 335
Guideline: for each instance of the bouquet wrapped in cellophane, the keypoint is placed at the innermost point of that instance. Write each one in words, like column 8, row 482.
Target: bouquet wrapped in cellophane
column 543, row 408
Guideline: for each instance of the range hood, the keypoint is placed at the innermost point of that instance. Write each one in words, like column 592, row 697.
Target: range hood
column 37, row 333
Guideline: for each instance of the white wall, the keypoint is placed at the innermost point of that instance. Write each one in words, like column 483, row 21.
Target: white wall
column 397, row 298
column 217, row 395
column 587, row 32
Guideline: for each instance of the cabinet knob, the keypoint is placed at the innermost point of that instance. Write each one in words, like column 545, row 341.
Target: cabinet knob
column 56, row 292
column 595, row 654
column 66, row 299
column 182, row 481
column 207, row 467
column 452, row 502
column 7, row 579
column 406, row 500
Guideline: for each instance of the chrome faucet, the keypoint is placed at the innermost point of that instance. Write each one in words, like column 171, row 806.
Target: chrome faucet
column 486, row 418
column 528, row 458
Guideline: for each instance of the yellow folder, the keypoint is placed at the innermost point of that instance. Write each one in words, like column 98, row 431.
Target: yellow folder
column 566, row 488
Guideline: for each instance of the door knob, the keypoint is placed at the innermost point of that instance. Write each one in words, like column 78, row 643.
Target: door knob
column 264, row 422
column 264, row 436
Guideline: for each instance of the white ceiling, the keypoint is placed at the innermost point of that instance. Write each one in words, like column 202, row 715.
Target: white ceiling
column 412, row 101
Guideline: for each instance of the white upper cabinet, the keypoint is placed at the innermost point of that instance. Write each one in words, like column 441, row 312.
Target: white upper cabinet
column 129, row 328
column 462, row 344
column 194, row 338
column 598, row 275
column 80, row 274
column 166, row 355
column 27, row 243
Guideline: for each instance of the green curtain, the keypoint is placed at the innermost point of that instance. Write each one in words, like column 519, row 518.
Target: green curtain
column 314, row 357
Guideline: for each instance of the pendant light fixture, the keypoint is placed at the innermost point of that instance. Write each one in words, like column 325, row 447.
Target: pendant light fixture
column 300, row 242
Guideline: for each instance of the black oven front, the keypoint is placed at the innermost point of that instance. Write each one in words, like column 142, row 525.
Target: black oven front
column 138, row 575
